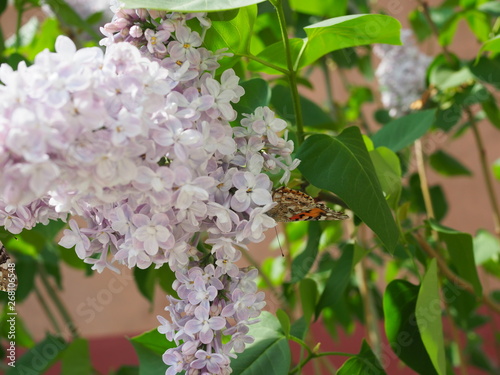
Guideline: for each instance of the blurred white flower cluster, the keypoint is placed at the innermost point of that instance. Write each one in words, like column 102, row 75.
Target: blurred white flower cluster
column 401, row 74
column 137, row 141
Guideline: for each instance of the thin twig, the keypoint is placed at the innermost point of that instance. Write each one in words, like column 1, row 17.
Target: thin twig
column 486, row 173
column 424, row 186
column 455, row 279
column 434, row 28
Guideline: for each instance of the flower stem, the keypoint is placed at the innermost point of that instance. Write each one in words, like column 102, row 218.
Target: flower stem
column 58, row 303
column 292, row 71
column 263, row 62
column 486, row 173
column 47, row 311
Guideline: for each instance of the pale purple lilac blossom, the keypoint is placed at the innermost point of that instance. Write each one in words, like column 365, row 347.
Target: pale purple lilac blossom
column 401, row 74
column 137, row 141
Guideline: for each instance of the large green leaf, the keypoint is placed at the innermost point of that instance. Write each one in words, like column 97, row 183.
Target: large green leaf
column 486, row 246
column 491, row 45
column 268, row 354
column 487, row 70
column 348, row 31
column 460, row 248
column 342, row 165
column 388, row 168
column 150, row 347
column 338, row 280
column 39, row 358
column 190, row 5
column 365, row 362
column 314, row 116
column 322, row 8
column 400, row 300
column 447, row 165
column 328, row 36
column 257, row 94
column 428, row 317
column 308, row 298
column 76, row 359
column 231, row 29
column 304, row 261
column 405, row 130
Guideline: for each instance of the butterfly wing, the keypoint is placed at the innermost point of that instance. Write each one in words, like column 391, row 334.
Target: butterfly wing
column 294, row 205
column 8, row 277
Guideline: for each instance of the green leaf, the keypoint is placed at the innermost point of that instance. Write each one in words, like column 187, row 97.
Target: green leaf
column 428, row 316
column 126, row 370
column 388, row 168
column 492, row 45
column 154, row 341
column 76, row 358
column 348, row 31
column 26, row 269
column 166, row 277
column 461, row 252
column 284, row 321
column 328, row 36
column 231, row 29
column 444, row 78
column 490, row 7
column 449, row 29
column 145, row 280
column 304, row 261
column 322, row 8
column 268, row 354
column 71, row 18
column 496, row 169
column 3, row 5
column 479, row 24
column 448, row 117
column 257, row 94
column 405, row 130
column 486, row 246
column 343, row 166
column 23, row 337
column 491, row 109
column 40, row 358
column 190, row 5
column 308, row 297
column 281, row 101
column 150, row 347
column 365, row 362
column 487, row 70
column 338, row 280
column 447, row 165
column 400, row 300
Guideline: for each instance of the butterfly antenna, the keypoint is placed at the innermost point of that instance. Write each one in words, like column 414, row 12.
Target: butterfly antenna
column 279, row 243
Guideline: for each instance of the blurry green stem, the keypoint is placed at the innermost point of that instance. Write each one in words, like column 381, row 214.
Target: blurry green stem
column 19, row 5
column 434, row 28
column 46, row 308
column 419, row 156
column 370, row 312
column 325, row 66
column 486, row 173
column 317, row 355
column 292, row 71
column 58, row 303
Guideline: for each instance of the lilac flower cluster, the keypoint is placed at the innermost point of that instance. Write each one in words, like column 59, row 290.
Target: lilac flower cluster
column 137, row 141
column 401, row 74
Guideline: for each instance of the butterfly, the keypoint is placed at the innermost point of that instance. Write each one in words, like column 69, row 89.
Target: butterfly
column 8, row 277
column 294, row 205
